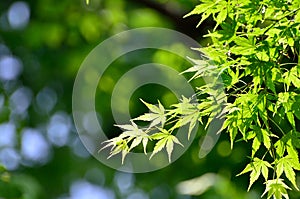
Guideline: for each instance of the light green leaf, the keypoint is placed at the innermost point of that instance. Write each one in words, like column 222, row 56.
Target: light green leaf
column 155, row 109
column 257, row 167
column 293, row 156
column 193, row 123
column 157, row 116
column 128, row 127
column 120, row 147
column 280, row 148
column 147, row 117
column 159, row 136
column 168, row 142
column 125, row 151
column 145, row 142
column 136, row 142
column 221, row 17
column 204, row 8
column 183, row 120
column 291, row 119
column 290, row 174
column 159, row 146
column 199, row 9
column 280, row 167
column 255, row 146
column 233, row 130
column 253, row 177
column 169, row 146
column 241, row 50
column 241, row 41
column 277, row 189
column 287, row 165
column 266, row 138
column 247, row 169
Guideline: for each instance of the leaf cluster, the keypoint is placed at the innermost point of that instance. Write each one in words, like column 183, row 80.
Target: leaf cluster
column 255, row 46
column 253, row 84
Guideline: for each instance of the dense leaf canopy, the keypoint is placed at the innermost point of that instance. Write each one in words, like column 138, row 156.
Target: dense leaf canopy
column 253, row 47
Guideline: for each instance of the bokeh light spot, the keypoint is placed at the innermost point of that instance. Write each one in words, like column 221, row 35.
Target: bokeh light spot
column 20, row 100
column 223, row 148
column 138, row 195
column 10, row 68
column 46, row 99
column 18, row 15
column 59, row 128
column 7, row 138
column 9, row 158
column 124, row 181
column 34, row 146
column 86, row 190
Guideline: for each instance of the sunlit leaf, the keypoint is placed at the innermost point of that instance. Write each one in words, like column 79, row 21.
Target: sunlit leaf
column 277, row 189
column 257, row 167
column 157, row 115
column 166, row 141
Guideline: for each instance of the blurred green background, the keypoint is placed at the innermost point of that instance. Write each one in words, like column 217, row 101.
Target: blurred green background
column 42, row 44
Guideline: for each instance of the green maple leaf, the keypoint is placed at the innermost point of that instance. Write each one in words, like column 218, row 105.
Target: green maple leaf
column 257, row 167
column 166, row 140
column 157, row 115
column 277, row 189
column 120, row 144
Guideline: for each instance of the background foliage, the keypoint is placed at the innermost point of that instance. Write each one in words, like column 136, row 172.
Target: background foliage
column 40, row 53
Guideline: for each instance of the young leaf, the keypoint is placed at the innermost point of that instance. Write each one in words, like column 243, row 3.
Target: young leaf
column 169, row 147
column 277, row 189
column 120, row 143
column 136, row 142
column 255, row 146
column 221, row 16
column 145, row 142
column 155, row 109
column 257, row 167
column 167, row 141
column 159, row 146
column 192, row 119
column 120, row 147
column 157, row 116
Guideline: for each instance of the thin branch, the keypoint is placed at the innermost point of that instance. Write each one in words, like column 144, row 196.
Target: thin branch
column 175, row 15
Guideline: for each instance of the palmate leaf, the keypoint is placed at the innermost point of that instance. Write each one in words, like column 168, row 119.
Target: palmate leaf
column 120, row 144
column 292, row 138
column 201, row 68
column 166, row 140
column 205, row 8
column 135, row 134
column 187, row 112
column 262, row 137
column 205, row 4
column 221, row 16
column 185, row 107
column 192, row 119
column 250, row 52
column 289, row 163
column 120, row 147
column 277, row 189
column 257, row 167
column 285, row 165
column 157, row 115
